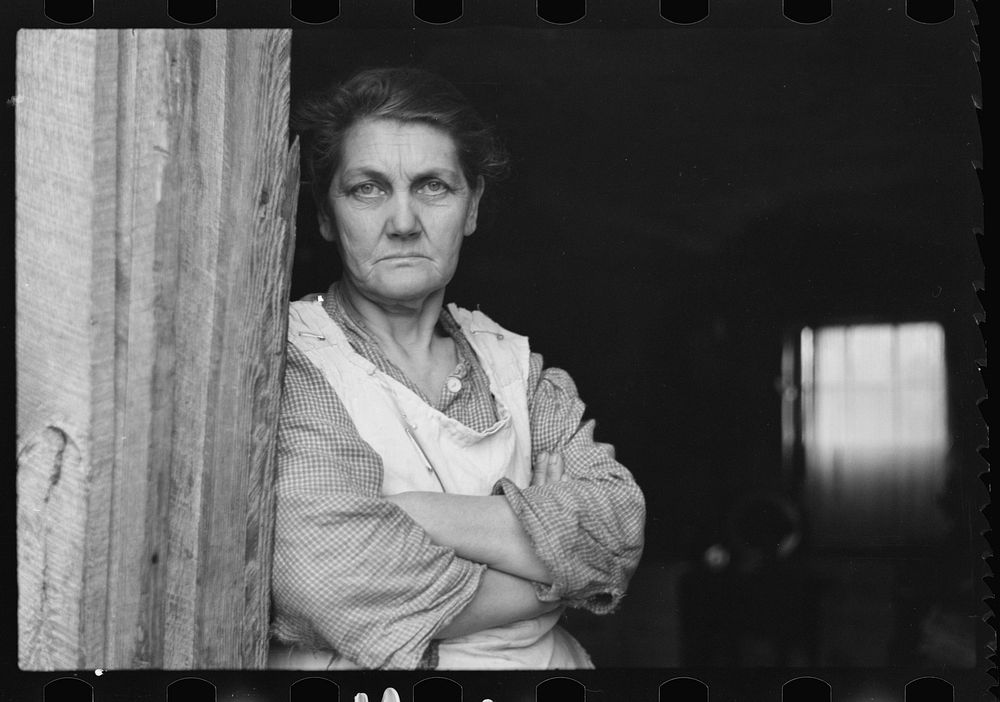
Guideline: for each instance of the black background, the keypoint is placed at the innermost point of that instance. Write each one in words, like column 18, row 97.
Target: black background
column 680, row 197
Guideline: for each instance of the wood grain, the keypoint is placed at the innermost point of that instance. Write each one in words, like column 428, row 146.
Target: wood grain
column 58, row 259
column 156, row 197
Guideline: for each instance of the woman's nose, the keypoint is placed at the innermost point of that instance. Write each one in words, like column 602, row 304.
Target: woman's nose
column 403, row 221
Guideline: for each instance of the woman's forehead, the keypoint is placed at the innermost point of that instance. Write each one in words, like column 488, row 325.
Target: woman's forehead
column 376, row 144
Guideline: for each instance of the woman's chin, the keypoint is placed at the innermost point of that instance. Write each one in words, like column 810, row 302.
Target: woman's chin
column 408, row 289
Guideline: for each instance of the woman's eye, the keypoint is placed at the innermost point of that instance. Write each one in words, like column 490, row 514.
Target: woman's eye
column 434, row 187
column 366, row 190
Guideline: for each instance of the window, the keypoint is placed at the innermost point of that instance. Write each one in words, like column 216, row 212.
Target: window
column 874, row 432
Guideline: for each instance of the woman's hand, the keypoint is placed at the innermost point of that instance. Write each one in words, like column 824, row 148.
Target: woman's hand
column 548, row 468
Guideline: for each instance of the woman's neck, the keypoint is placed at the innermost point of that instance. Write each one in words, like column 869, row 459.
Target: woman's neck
column 407, row 326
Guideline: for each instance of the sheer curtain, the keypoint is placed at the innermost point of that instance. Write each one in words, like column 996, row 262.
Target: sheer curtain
column 875, row 434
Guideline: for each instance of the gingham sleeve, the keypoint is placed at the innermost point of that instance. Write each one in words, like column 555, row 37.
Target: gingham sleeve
column 352, row 572
column 588, row 529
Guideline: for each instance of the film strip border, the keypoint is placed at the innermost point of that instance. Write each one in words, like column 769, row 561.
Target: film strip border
column 438, row 12
column 187, row 688
column 250, row 687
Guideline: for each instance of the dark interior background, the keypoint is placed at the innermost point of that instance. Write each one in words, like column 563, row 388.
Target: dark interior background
column 681, row 198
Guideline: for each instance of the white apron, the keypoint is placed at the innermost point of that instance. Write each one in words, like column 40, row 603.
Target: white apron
column 425, row 450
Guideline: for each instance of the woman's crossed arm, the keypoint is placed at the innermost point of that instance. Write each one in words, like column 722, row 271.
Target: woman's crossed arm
column 483, row 528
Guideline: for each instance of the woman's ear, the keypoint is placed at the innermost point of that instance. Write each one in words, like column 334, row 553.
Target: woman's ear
column 473, row 214
column 326, row 226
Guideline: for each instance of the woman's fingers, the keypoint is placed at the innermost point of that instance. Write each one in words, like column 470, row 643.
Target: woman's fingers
column 556, row 468
column 548, row 468
column 540, row 470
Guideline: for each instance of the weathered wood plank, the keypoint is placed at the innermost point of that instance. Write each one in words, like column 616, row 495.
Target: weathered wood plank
column 273, row 226
column 155, row 439
column 198, row 140
column 103, row 343
column 141, row 157
column 260, row 495
column 56, row 209
column 254, row 247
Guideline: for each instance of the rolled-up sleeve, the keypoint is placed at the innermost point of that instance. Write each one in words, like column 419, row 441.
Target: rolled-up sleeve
column 352, row 572
column 587, row 529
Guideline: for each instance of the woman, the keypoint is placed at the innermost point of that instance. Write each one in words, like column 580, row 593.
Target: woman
column 440, row 501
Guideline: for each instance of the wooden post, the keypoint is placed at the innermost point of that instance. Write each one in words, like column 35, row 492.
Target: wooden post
column 155, row 209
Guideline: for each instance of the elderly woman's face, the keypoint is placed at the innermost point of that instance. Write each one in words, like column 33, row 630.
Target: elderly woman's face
column 400, row 208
